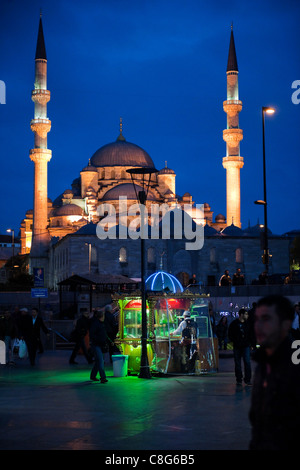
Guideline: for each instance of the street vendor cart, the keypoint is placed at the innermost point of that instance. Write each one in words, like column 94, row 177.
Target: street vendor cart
column 193, row 351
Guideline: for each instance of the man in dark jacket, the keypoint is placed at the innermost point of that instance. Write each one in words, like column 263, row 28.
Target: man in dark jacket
column 30, row 327
column 225, row 280
column 99, row 343
column 79, row 335
column 238, row 278
column 238, row 334
column 275, row 405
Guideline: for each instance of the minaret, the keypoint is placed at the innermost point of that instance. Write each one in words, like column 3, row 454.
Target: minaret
column 40, row 155
column 233, row 162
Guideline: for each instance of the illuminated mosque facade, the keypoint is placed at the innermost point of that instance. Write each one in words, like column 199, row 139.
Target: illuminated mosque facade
column 61, row 235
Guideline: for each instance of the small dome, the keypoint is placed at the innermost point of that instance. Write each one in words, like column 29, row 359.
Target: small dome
column 232, row 231
column 90, row 167
column 166, row 171
column 162, row 281
column 255, row 231
column 121, row 153
column 220, row 218
column 68, row 209
column 127, row 190
column 209, row 231
column 88, row 229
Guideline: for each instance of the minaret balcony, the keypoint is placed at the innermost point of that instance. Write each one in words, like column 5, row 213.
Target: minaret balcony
column 232, row 161
column 40, row 96
column 40, row 155
column 40, row 126
column 232, row 107
column 233, row 136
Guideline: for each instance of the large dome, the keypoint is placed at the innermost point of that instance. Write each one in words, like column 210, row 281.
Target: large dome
column 121, row 153
column 68, row 209
column 125, row 189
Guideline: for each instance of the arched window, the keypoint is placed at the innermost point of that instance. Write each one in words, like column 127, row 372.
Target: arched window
column 151, row 255
column 123, row 174
column 94, row 256
column 112, row 174
column 239, row 255
column 213, row 255
column 123, row 255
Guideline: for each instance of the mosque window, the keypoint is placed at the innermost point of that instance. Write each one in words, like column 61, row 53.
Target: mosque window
column 213, row 255
column 94, row 256
column 151, row 255
column 239, row 255
column 123, row 255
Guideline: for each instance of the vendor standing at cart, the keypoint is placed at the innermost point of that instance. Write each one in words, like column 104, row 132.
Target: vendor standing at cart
column 188, row 329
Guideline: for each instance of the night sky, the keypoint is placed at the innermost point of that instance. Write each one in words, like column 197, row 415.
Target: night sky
column 161, row 66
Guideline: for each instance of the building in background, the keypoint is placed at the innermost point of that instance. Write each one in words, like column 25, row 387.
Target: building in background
column 61, row 236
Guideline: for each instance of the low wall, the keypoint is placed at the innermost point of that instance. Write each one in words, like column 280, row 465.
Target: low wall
column 222, row 298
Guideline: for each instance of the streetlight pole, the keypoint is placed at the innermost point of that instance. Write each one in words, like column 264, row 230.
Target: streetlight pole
column 266, row 256
column 141, row 196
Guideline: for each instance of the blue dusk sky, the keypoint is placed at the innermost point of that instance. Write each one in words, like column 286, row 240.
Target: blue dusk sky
column 161, row 66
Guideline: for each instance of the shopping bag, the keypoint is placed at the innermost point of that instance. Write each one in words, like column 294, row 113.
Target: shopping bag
column 15, row 348
column 22, row 349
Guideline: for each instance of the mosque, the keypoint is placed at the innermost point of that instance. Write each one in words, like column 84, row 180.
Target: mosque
column 61, row 235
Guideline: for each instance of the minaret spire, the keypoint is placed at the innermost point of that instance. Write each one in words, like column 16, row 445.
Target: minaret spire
column 40, row 46
column 40, row 155
column 232, row 60
column 233, row 162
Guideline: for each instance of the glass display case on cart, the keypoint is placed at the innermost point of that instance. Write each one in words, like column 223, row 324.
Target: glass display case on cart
column 193, row 352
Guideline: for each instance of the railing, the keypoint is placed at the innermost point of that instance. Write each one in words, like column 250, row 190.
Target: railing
column 247, row 290
column 225, row 103
column 59, row 340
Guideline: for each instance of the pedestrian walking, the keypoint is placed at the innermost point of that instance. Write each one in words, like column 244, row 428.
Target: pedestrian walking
column 79, row 335
column 99, row 344
column 238, row 333
column 7, row 334
column 275, row 406
column 30, row 327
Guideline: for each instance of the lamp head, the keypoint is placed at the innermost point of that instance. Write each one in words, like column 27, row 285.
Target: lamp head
column 260, row 202
column 268, row 110
column 144, row 172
